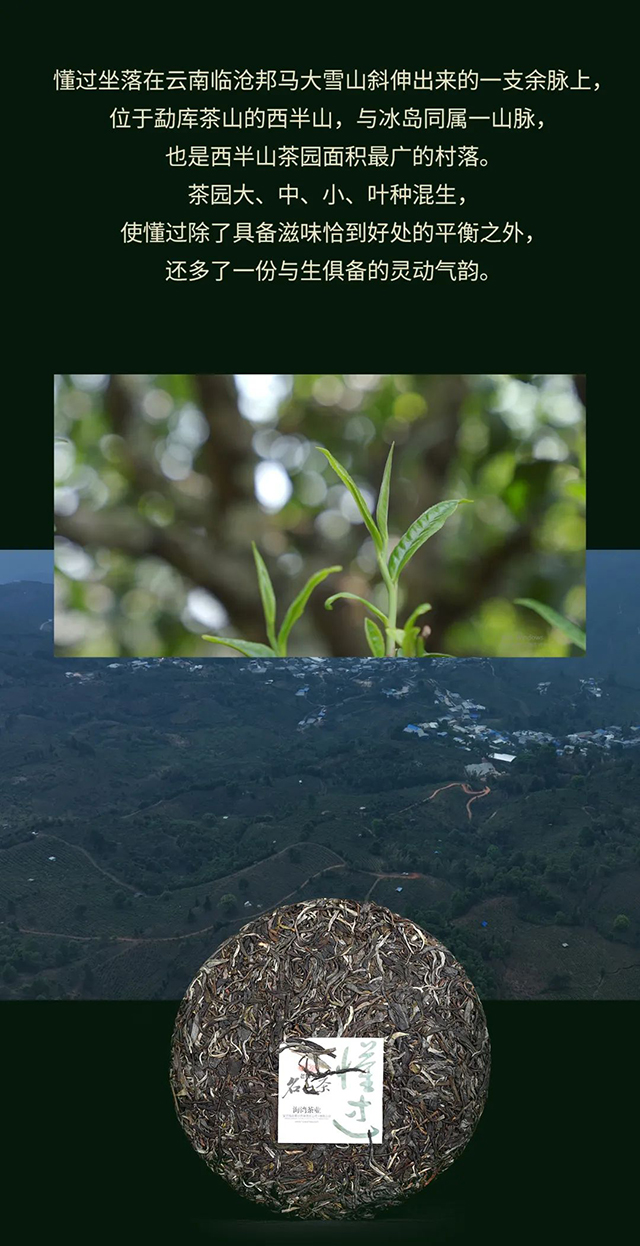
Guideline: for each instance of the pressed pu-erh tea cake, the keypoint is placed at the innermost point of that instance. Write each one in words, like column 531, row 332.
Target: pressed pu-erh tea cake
column 329, row 1059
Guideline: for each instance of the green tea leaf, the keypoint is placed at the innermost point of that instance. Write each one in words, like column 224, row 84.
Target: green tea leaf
column 410, row 642
column 356, row 495
column 382, row 509
column 396, row 634
column 437, row 655
column 267, row 594
column 374, row 638
column 425, row 526
column 423, row 609
column 574, row 634
column 247, row 647
column 328, row 605
column 297, row 607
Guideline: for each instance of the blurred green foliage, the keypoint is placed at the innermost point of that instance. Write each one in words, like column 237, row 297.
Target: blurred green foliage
column 162, row 481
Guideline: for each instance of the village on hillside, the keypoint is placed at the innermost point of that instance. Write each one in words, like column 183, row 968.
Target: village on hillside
column 460, row 724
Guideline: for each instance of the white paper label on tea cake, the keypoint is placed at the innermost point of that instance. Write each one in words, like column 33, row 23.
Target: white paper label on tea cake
column 330, row 1090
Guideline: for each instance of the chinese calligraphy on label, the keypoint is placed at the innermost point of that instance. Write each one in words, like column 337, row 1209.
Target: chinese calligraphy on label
column 330, row 1090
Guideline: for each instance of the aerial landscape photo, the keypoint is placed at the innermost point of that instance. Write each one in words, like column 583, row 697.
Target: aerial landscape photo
column 149, row 807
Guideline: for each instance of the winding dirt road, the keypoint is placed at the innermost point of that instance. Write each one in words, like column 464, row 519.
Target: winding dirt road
column 468, row 790
column 192, row 934
column 465, row 787
column 378, row 878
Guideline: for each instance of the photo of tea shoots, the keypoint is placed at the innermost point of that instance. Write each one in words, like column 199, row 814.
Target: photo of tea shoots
column 277, row 647
column 147, row 560
column 394, row 641
column 389, row 641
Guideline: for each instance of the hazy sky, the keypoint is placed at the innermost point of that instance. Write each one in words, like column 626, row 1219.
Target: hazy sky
column 26, row 564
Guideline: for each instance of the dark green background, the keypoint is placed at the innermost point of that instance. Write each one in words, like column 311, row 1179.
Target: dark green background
column 90, row 1127
column 100, row 1143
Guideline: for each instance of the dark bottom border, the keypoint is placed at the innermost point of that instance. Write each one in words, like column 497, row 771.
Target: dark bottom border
column 100, row 1147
